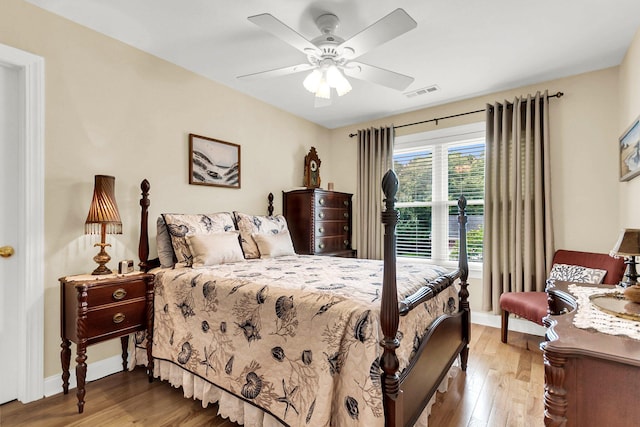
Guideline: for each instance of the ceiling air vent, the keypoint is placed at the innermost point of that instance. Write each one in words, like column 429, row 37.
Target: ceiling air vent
column 423, row 91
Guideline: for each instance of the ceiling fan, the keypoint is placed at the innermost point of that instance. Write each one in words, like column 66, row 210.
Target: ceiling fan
column 329, row 56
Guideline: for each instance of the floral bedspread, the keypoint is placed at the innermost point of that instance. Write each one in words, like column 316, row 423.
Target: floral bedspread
column 296, row 336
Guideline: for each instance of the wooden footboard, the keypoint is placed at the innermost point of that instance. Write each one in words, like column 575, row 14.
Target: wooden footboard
column 405, row 396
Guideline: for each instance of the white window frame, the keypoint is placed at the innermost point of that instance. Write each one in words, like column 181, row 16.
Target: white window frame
column 455, row 135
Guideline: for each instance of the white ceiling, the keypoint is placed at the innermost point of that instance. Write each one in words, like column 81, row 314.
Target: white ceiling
column 466, row 47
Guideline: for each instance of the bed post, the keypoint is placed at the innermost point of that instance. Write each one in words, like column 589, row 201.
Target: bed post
column 463, row 295
column 143, row 243
column 389, row 313
column 270, row 206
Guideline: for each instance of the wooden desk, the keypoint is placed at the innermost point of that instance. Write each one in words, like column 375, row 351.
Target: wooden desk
column 591, row 378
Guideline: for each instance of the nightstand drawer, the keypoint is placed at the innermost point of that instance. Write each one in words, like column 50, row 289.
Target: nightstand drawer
column 116, row 292
column 104, row 321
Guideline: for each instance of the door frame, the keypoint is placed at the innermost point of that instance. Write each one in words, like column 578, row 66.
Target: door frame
column 30, row 321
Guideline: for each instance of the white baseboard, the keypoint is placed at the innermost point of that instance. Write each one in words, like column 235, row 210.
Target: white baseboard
column 515, row 324
column 95, row 370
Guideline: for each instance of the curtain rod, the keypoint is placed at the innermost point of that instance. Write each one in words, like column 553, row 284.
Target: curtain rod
column 351, row 135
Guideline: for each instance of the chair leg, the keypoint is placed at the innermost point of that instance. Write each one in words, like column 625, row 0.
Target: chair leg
column 505, row 326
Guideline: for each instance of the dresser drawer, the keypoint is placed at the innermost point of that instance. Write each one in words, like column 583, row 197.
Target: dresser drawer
column 116, row 292
column 332, row 214
column 116, row 318
column 332, row 200
column 332, row 228
column 332, row 244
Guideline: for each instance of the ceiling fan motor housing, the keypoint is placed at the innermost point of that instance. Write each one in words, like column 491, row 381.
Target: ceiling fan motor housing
column 327, row 23
column 328, row 42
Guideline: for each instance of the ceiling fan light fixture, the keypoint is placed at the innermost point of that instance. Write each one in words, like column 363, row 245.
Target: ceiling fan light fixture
column 343, row 88
column 324, row 90
column 337, row 80
column 321, row 80
column 312, row 81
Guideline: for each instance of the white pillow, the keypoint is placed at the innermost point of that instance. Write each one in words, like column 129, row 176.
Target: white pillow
column 577, row 274
column 274, row 245
column 215, row 248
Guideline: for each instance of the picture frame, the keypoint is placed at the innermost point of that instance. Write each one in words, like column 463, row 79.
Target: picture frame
column 629, row 144
column 213, row 162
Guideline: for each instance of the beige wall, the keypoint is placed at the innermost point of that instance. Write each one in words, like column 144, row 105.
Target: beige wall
column 112, row 109
column 629, row 111
column 584, row 129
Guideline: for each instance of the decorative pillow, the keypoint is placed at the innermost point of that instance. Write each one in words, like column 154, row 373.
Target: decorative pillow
column 181, row 225
column 213, row 249
column 577, row 274
column 163, row 242
column 274, row 245
column 254, row 224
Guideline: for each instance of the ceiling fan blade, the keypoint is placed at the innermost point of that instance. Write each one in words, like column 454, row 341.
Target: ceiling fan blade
column 377, row 75
column 387, row 28
column 277, row 72
column 273, row 25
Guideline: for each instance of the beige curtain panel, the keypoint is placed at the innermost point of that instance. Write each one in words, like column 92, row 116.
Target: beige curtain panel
column 518, row 237
column 375, row 158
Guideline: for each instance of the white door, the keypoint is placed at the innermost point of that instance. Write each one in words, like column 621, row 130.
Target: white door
column 9, row 138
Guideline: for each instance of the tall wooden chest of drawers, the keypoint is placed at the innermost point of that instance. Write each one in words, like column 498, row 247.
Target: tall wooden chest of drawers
column 319, row 221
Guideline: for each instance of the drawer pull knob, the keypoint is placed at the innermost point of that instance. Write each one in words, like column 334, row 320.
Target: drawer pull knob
column 321, row 201
column 321, row 245
column 346, row 228
column 321, row 230
column 321, row 215
column 118, row 317
column 346, row 243
column 346, row 214
column 346, row 203
column 119, row 294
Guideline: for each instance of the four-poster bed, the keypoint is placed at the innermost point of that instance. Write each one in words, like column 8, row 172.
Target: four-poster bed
column 298, row 337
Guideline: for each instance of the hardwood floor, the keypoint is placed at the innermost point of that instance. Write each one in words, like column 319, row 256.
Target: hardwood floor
column 503, row 386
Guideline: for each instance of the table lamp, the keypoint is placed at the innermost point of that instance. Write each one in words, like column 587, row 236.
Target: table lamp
column 103, row 218
column 628, row 245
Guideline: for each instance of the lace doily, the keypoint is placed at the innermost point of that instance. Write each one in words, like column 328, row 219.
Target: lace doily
column 588, row 316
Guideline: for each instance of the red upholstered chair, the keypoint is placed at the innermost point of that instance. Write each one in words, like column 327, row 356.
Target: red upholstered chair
column 533, row 305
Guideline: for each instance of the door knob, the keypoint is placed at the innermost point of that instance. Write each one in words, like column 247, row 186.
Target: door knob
column 6, row 251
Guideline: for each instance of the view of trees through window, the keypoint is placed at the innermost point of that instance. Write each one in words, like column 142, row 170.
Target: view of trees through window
column 432, row 177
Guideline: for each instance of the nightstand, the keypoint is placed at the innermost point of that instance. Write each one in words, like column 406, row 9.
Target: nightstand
column 99, row 308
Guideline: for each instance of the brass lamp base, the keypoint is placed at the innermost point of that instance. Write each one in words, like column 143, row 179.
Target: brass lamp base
column 102, row 258
column 632, row 293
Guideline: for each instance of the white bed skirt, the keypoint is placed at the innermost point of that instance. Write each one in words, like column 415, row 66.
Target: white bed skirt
column 233, row 408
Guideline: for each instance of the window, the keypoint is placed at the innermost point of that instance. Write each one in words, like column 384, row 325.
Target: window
column 434, row 168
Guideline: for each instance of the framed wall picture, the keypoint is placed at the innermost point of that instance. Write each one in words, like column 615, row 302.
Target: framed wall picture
column 213, row 162
column 630, row 152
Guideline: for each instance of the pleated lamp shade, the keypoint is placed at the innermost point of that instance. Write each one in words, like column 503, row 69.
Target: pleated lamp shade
column 103, row 209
